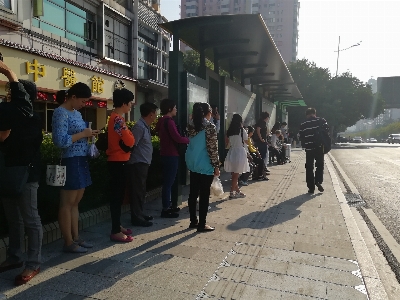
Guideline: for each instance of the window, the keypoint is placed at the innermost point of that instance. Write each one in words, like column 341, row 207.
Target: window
column 5, row 3
column 148, row 35
column 116, row 39
column 271, row 5
column 146, row 72
column 147, row 53
column 279, row 27
column 271, row 13
column 68, row 21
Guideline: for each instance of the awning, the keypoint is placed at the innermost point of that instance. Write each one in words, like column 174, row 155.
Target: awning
column 241, row 44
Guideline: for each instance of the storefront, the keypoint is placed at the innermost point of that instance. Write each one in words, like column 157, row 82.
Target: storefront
column 52, row 73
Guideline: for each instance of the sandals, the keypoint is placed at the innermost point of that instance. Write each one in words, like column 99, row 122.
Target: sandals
column 20, row 280
column 206, row 228
column 115, row 238
column 127, row 231
column 74, row 248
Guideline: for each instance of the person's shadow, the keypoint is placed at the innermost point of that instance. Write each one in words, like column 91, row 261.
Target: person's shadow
column 286, row 210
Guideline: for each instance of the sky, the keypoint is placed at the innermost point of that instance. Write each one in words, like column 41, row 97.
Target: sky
column 375, row 23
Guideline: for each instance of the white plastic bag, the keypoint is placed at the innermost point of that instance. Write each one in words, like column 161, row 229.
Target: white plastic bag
column 216, row 187
column 93, row 151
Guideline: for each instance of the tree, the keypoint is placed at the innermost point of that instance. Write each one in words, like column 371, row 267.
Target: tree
column 191, row 63
column 341, row 100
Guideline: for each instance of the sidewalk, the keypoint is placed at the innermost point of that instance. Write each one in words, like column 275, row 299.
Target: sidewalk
column 278, row 243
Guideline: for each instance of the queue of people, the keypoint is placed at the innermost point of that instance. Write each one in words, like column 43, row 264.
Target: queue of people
column 129, row 155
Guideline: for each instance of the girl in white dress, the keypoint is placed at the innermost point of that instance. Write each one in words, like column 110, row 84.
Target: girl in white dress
column 236, row 160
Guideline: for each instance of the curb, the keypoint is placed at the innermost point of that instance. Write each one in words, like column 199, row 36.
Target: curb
column 373, row 284
column 52, row 232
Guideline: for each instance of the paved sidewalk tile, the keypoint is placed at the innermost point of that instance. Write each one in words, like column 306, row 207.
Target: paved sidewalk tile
column 277, row 243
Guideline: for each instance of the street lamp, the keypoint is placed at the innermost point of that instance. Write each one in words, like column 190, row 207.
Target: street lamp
column 340, row 50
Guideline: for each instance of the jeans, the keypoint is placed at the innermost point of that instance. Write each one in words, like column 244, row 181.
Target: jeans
column 137, row 177
column 200, row 185
column 170, row 168
column 316, row 154
column 117, row 171
column 22, row 212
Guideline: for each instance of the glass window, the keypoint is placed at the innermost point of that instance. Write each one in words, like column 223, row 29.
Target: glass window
column 5, row 3
column 67, row 20
column 117, row 39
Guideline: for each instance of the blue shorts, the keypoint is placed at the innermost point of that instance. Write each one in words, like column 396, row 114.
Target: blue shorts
column 78, row 173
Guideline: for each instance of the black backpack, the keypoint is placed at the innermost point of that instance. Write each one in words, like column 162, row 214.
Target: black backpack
column 322, row 138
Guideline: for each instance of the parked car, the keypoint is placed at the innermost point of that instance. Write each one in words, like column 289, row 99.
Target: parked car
column 373, row 140
column 394, row 138
column 357, row 139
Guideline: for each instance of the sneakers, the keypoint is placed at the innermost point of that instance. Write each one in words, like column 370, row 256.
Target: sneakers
column 169, row 213
column 235, row 195
column 245, row 183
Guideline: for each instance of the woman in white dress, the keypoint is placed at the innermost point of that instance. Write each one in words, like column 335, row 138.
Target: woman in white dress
column 236, row 160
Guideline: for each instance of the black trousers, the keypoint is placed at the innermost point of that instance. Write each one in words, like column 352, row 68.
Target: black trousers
column 199, row 186
column 316, row 155
column 137, row 178
column 117, row 171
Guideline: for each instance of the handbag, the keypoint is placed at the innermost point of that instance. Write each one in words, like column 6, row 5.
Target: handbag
column 179, row 146
column 12, row 179
column 56, row 175
column 102, row 140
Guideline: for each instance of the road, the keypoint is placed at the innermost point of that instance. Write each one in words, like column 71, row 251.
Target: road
column 375, row 170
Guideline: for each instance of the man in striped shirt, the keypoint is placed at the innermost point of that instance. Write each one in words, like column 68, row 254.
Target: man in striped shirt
column 313, row 152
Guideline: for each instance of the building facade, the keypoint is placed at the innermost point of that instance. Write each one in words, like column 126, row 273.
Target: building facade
column 280, row 16
column 105, row 44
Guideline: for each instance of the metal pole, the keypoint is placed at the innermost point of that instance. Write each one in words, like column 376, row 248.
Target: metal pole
column 337, row 61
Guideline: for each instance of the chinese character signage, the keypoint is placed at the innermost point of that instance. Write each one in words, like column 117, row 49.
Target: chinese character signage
column 69, row 77
column 97, row 85
column 35, row 68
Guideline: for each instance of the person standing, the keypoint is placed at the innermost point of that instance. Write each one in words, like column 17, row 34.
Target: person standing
column 284, row 132
column 203, row 162
column 120, row 143
column 139, row 162
column 21, row 137
column 169, row 143
column 313, row 153
column 215, row 118
column 236, row 161
column 70, row 134
column 260, row 136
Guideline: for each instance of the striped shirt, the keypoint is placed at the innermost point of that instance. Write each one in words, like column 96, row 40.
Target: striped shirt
column 308, row 129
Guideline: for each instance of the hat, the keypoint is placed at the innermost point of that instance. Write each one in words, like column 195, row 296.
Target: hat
column 30, row 88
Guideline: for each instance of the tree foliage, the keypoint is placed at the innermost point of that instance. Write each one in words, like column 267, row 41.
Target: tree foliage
column 342, row 100
column 191, row 63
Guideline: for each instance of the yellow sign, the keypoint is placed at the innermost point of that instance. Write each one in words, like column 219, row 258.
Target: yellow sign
column 69, row 77
column 97, row 84
column 35, row 68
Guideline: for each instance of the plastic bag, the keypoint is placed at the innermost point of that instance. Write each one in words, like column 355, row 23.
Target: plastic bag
column 93, row 151
column 216, row 187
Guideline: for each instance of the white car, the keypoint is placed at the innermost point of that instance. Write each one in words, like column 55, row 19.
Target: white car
column 357, row 139
column 373, row 140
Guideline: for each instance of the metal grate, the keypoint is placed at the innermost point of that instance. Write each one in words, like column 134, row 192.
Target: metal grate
column 354, row 200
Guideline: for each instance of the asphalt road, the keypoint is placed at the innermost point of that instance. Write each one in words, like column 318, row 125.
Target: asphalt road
column 375, row 170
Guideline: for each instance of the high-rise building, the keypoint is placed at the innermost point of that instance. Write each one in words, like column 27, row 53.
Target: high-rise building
column 280, row 16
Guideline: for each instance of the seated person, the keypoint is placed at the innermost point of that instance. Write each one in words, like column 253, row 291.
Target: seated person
column 276, row 147
column 256, row 156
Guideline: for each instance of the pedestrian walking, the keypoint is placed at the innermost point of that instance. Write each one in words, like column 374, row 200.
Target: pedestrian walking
column 70, row 134
column 21, row 137
column 139, row 163
column 203, row 162
column 170, row 139
column 236, row 161
column 308, row 130
column 120, row 143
